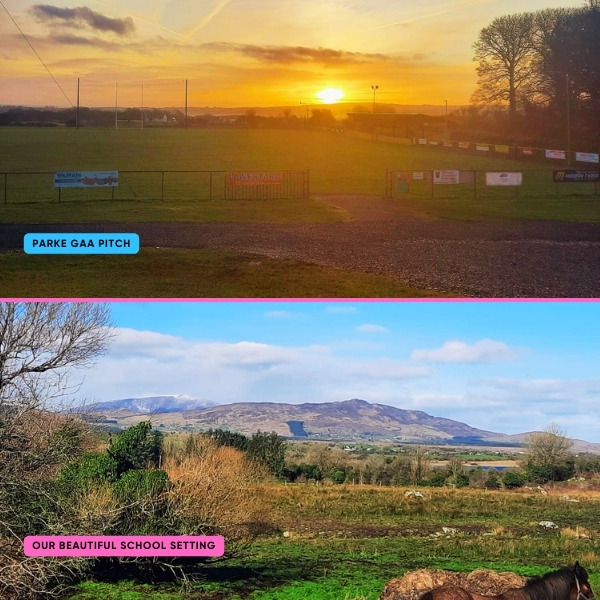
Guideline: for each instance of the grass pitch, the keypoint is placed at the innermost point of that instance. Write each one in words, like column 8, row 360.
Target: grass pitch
column 337, row 164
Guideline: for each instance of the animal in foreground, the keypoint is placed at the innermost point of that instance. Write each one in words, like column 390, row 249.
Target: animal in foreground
column 568, row 583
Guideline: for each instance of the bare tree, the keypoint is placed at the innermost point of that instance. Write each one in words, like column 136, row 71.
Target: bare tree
column 40, row 346
column 548, row 456
column 420, row 464
column 505, row 52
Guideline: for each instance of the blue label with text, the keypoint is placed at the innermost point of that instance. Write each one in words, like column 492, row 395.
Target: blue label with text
column 81, row 243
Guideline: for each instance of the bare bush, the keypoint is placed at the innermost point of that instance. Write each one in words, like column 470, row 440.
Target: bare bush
column 214, row 490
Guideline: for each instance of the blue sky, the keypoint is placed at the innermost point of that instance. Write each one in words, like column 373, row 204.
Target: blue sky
column 509, row 367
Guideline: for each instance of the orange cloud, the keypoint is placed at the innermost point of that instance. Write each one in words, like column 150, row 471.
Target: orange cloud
column 289, row 54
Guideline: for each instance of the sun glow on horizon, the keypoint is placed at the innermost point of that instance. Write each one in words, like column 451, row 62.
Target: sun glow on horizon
column 330, row 95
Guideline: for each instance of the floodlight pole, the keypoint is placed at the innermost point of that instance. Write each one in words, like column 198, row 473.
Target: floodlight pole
column 116, row 106
column 186, row 104
column 374, row 88
column 307, row 105
column 568, row 108
column 568, row 122
column 142, row 106
column 77, row 111
column 446, row 122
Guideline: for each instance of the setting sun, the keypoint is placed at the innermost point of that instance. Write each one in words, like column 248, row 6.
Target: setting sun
column 330, row 95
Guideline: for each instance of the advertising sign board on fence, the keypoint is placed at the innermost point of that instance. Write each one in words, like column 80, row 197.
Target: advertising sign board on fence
column 73, row 179
column 446, row 177
column 559, row 154
column 573, row 176
column 482, row 147
column 464, row 145
column 586, row 157
column 503, row 178
column 254, row 178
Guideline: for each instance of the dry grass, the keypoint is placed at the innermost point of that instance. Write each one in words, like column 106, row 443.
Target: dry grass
column 214, row 489
column 577, row 533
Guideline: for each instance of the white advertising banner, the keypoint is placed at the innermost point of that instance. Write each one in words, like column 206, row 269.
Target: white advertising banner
column 482, row 147
column 446, row 177
column 559, row 154
column 68, row 179
column 503, row 178
column 586, row 157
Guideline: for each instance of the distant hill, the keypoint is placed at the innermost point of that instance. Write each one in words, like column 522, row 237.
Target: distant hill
column 350, row 420
column 343, row 420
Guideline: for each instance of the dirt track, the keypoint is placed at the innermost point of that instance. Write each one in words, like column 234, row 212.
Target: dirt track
column 536, row 259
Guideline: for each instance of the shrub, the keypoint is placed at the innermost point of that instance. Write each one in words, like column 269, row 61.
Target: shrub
column 337, row 475
column 216, row 494
column 492, row 482
column 512, row 479
column 461, row 480
column 438, row 479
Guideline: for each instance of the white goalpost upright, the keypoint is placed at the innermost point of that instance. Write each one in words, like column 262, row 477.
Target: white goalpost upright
column 128, row 123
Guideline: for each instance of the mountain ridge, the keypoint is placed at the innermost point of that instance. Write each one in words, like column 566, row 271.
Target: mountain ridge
column 353, row 419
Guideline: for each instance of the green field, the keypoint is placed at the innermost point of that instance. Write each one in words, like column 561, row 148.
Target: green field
column 178, row 273
column 337, row 164
column 345, row 542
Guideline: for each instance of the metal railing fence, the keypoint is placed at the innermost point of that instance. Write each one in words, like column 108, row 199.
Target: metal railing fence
column 461, row 183
column 164, row 185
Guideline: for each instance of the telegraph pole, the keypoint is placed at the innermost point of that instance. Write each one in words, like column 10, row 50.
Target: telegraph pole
column 77, row 111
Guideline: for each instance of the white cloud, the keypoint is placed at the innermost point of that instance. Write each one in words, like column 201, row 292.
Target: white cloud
column 371, row 328
column 146, row 363
column 383, row 368
column 455, row 351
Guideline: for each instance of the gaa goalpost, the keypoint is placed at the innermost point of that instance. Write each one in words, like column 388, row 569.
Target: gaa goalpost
column 121, row 123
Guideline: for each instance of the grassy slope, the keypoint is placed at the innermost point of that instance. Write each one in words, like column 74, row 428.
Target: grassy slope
column 346, row 542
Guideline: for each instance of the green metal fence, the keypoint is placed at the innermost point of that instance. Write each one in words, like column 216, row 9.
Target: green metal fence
column 32, row 187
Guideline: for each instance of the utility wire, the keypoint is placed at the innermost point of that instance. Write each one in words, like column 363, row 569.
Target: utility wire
column 36, row 53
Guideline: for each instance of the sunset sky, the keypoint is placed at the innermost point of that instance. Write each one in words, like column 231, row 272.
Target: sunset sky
column 243, row 52
column 502, row 366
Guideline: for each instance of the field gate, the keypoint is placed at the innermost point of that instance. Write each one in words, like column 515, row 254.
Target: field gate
column 265, row 185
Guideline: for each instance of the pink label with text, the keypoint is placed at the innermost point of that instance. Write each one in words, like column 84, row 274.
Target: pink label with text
column 124, row 545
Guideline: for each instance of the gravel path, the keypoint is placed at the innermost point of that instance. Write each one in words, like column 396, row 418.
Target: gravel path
column 535, row 259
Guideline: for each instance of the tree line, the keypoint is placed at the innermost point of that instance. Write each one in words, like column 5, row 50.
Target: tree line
column 544, row 67
column 547, row 458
